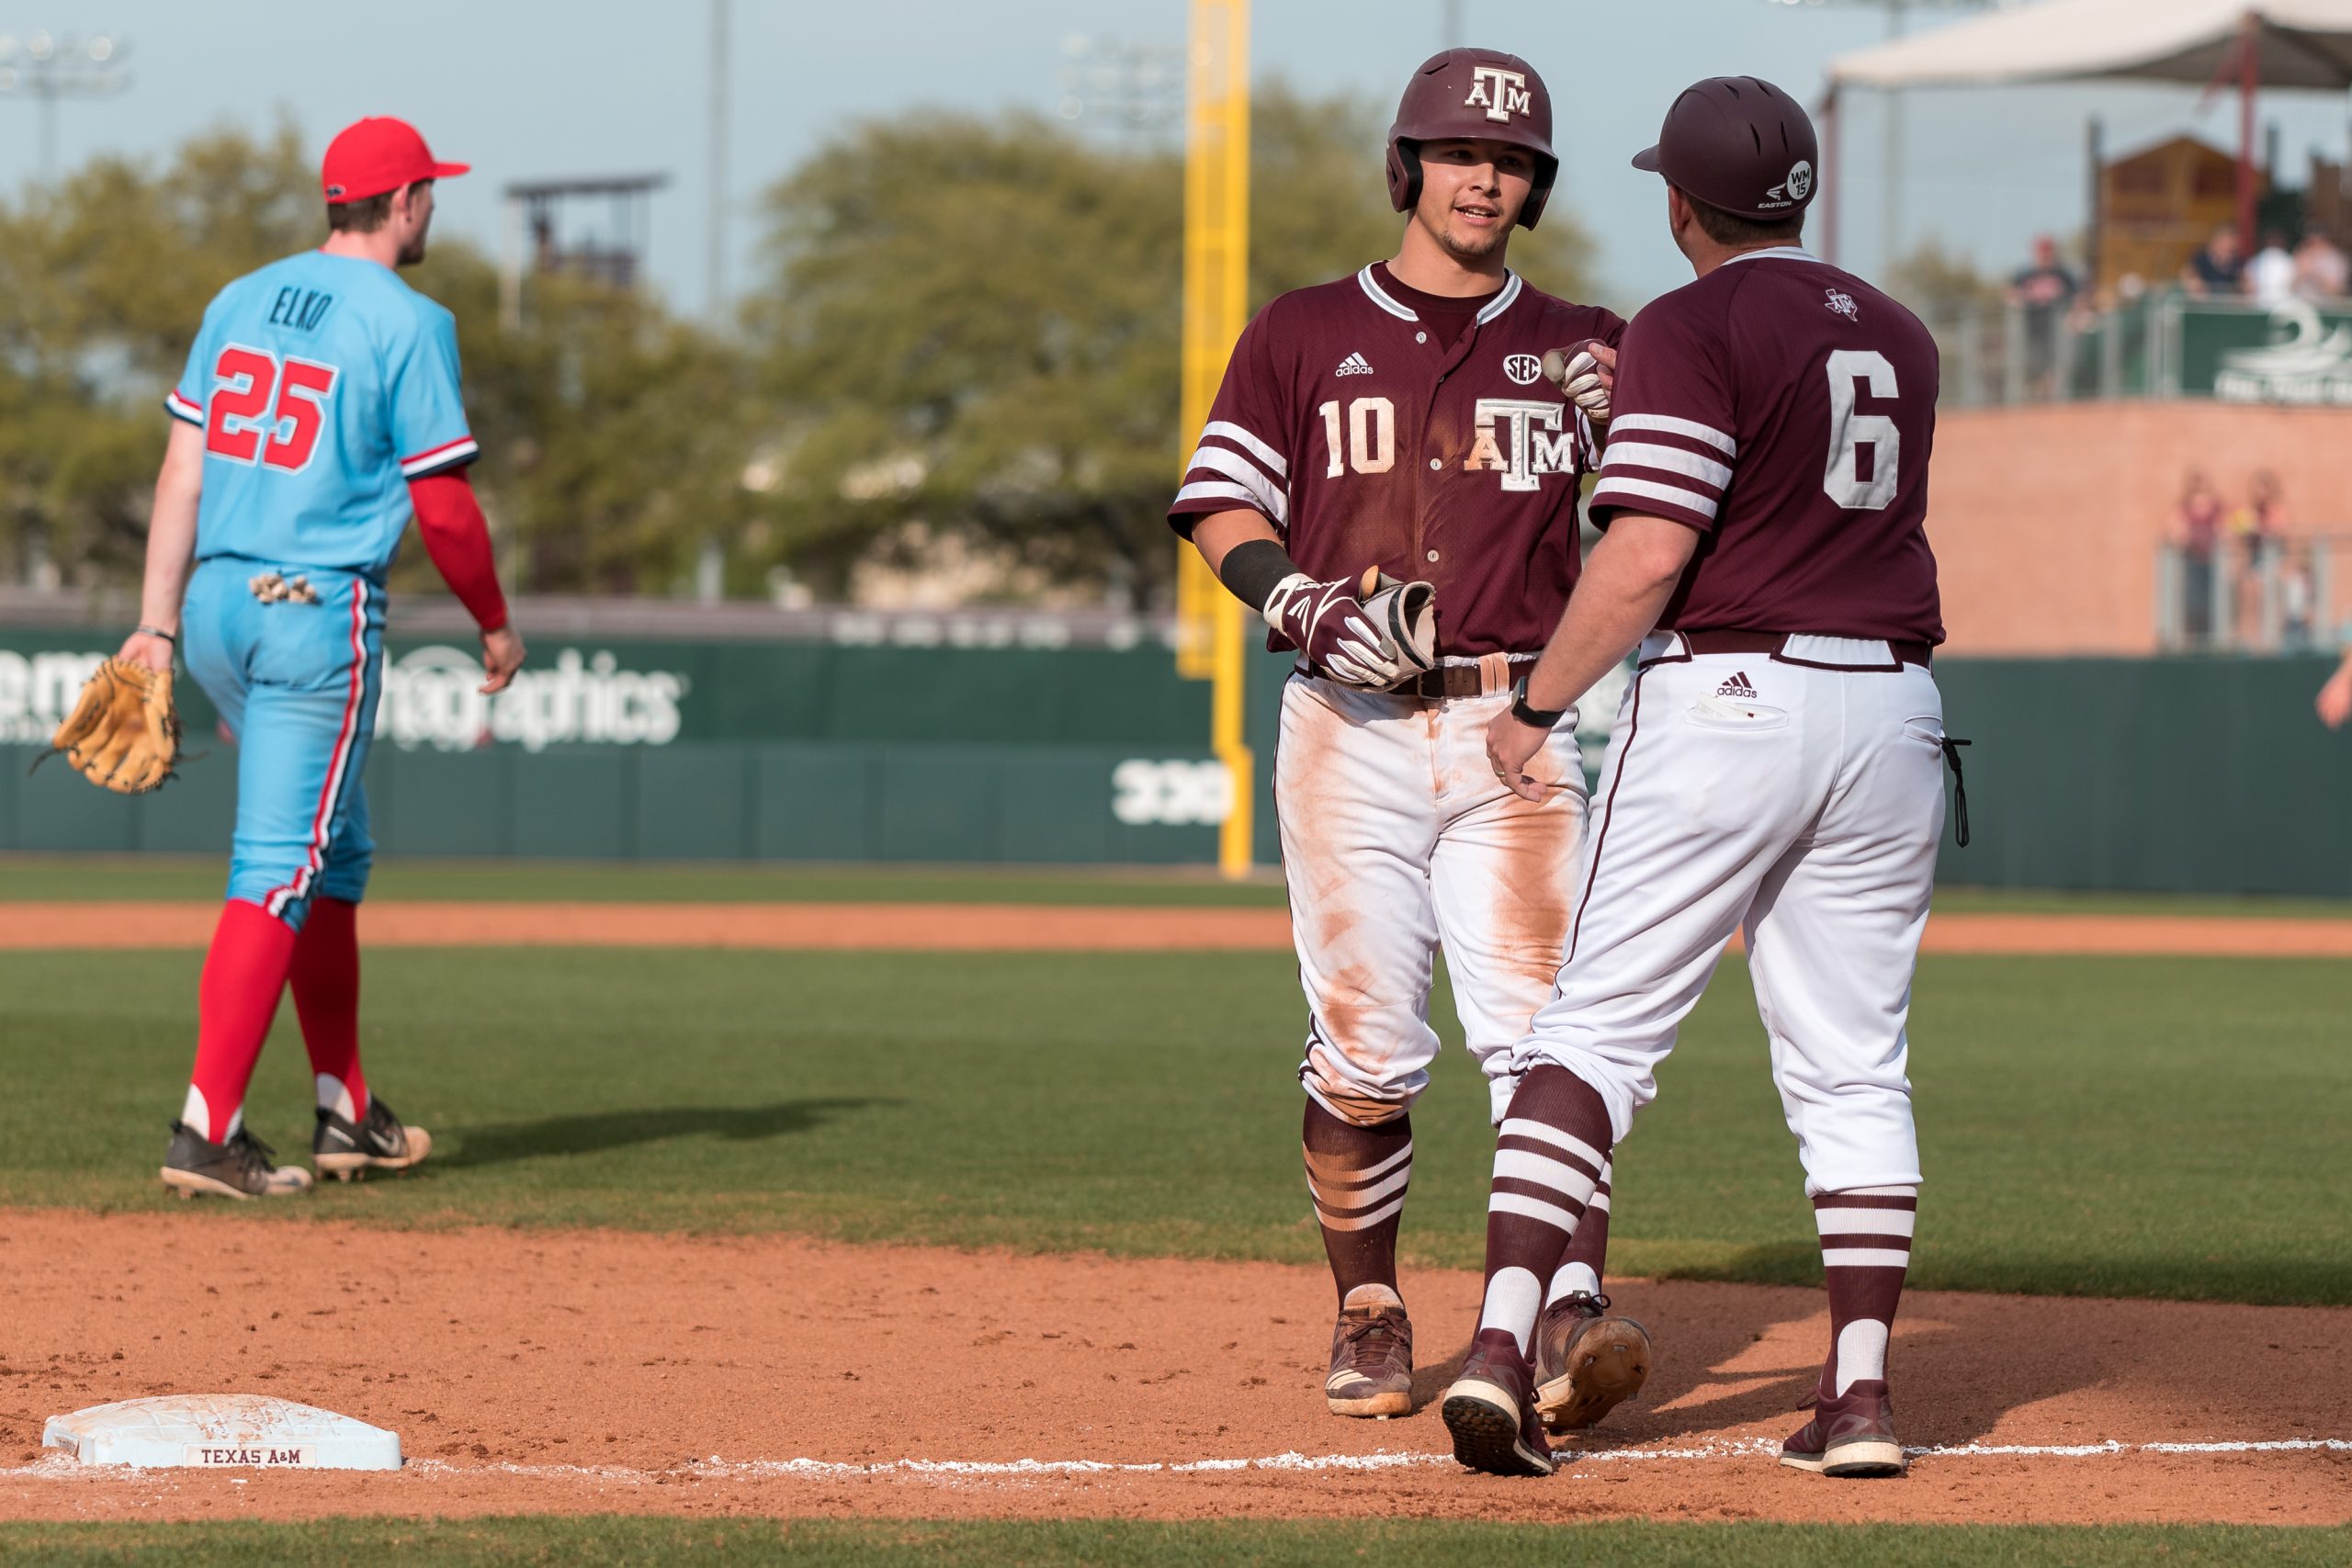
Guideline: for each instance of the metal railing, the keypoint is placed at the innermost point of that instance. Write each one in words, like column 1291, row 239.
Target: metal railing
column 2252, row 594
column 2157, row 346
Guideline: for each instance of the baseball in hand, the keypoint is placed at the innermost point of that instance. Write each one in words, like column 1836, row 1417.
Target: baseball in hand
column 1585, row 374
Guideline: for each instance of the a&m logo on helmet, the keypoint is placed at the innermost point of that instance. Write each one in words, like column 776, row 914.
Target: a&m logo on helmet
column 1795, row 186
column 1500, row 93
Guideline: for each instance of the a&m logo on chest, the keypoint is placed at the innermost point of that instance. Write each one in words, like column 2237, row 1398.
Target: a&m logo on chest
column 1523, row 439
column 1500, row 93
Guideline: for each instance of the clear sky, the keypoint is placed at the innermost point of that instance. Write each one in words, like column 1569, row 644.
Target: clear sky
column 534, row 89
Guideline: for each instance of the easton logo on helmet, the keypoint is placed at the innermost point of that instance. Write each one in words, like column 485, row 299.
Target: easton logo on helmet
column 1522, row 369
column 1501, row 93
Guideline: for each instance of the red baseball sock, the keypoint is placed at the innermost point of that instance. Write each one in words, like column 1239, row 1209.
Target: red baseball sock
column 245, row 971
column 326, row 999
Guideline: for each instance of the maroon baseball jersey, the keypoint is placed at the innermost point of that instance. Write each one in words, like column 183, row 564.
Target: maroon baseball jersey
column 1785, row 410
column 1374, row 425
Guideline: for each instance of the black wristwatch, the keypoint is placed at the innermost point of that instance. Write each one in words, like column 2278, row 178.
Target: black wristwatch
column 1540, row 717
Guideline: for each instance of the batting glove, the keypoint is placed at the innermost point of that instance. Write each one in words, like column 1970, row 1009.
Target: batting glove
column 1324, row 621
column 1583, row 377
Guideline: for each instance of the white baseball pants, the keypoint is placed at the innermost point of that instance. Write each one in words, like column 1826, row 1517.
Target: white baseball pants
column 1799, row 805
column 1397, row 837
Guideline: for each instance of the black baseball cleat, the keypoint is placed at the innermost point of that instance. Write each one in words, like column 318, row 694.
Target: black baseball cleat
column 377, row 1143
column 1490, row 1410
column 242, row 1166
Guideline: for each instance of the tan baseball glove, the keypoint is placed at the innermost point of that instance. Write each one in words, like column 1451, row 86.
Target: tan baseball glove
column 124, row 733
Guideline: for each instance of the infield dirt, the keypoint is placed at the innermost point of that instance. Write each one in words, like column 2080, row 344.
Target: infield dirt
column 1037, row 928
column 551, row 1371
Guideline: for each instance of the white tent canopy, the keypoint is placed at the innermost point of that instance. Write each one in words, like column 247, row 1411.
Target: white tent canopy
column 2304, row 43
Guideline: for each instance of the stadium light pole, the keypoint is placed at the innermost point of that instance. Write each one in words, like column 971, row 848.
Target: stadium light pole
column 46, row 68
column 714, row 230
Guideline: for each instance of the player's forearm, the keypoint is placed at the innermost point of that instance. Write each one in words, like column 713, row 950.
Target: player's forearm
column 171, row 529
column 1617, row 601
column 456, row 537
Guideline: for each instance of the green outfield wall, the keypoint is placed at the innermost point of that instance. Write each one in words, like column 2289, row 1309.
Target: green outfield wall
column 2178, row 774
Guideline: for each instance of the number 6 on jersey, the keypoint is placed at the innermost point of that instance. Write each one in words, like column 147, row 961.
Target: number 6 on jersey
column 1849, row 431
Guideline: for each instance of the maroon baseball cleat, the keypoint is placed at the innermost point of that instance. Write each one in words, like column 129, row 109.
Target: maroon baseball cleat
column 1587, row 1362
column 1371, row 1356
column 1853, row 1435
column 1490, row 1410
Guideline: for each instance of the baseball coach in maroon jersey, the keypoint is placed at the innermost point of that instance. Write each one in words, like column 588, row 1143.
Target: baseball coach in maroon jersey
column 1776, row 768
column 1402, row 421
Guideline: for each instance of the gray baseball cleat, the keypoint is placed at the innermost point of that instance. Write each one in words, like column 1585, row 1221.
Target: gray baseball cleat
column 378, row 1142
column 242, row 1166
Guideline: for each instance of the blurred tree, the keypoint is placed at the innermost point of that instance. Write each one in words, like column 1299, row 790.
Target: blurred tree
column 970, row 330
column 1939, row 283
column 613, row 434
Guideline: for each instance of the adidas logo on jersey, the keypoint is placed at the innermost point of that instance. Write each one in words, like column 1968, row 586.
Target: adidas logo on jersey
column 1354, row 364
column 1738, row 686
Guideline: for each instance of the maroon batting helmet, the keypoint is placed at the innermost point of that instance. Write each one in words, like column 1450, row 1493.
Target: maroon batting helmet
column 1466, row 95
column 1740, row 144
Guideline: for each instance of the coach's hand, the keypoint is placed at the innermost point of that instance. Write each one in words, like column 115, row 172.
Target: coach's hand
column 1511, row 746
column 502, row 655
column 1585, row 374
column 1325, row 622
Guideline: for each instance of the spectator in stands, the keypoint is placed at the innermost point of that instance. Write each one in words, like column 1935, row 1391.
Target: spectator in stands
column 2218, row 269
column 2270, row 275
column 2254, row 529
column 2321, row 271
column 2043, row 294
column 2298, row 601
column 2200, row 531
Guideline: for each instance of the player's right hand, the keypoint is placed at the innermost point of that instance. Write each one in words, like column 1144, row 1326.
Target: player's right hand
column 2335, row 697
column 502, row 655
column 147, row 650
column 1325, row 622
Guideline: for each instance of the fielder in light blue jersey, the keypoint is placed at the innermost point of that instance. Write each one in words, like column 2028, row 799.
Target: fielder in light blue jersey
column 321, row 408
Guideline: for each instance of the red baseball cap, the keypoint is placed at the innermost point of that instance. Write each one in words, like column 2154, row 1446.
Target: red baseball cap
column 378, row 154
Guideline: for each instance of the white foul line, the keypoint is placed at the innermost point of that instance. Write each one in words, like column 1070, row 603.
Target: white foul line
column 61, row 1467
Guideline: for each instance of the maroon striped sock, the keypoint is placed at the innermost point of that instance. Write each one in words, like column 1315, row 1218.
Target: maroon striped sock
column 1865, row 1253
column 1549, row 1154
column 1357, row 1176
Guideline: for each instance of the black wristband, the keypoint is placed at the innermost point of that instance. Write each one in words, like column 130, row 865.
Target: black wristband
column 158, row 631
column 1252, row 569
column 1539, row 717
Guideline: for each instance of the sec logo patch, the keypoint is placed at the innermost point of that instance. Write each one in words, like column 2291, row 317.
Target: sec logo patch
column 1522, row 369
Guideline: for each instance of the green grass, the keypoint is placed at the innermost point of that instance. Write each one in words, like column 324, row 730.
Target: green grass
column 593, row 1541
column 2148, row 1127
column 26, row 877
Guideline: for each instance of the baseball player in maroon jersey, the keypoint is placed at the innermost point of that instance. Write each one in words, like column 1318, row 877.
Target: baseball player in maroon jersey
column 1402, row 419
column 1776, row 768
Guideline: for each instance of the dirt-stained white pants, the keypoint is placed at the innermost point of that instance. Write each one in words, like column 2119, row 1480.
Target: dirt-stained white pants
column 1397, row 837
column 1801, row 805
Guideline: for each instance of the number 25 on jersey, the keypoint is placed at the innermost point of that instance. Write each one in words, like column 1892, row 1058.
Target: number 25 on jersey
column 267, row 410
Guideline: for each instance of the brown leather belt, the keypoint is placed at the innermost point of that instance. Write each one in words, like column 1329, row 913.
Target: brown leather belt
column 1776, row 644
column 1457, row 680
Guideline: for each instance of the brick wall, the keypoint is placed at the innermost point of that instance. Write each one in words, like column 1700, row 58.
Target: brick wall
column 2046, row 521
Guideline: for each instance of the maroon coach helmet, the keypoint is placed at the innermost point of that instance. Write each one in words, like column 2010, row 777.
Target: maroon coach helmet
column 1472, row 95
column 1737, row 143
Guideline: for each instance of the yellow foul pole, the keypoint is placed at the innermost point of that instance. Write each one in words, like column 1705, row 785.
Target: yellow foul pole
column 1209, row 643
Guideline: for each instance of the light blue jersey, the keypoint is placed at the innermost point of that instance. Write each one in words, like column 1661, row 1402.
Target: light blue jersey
column 323, row 384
